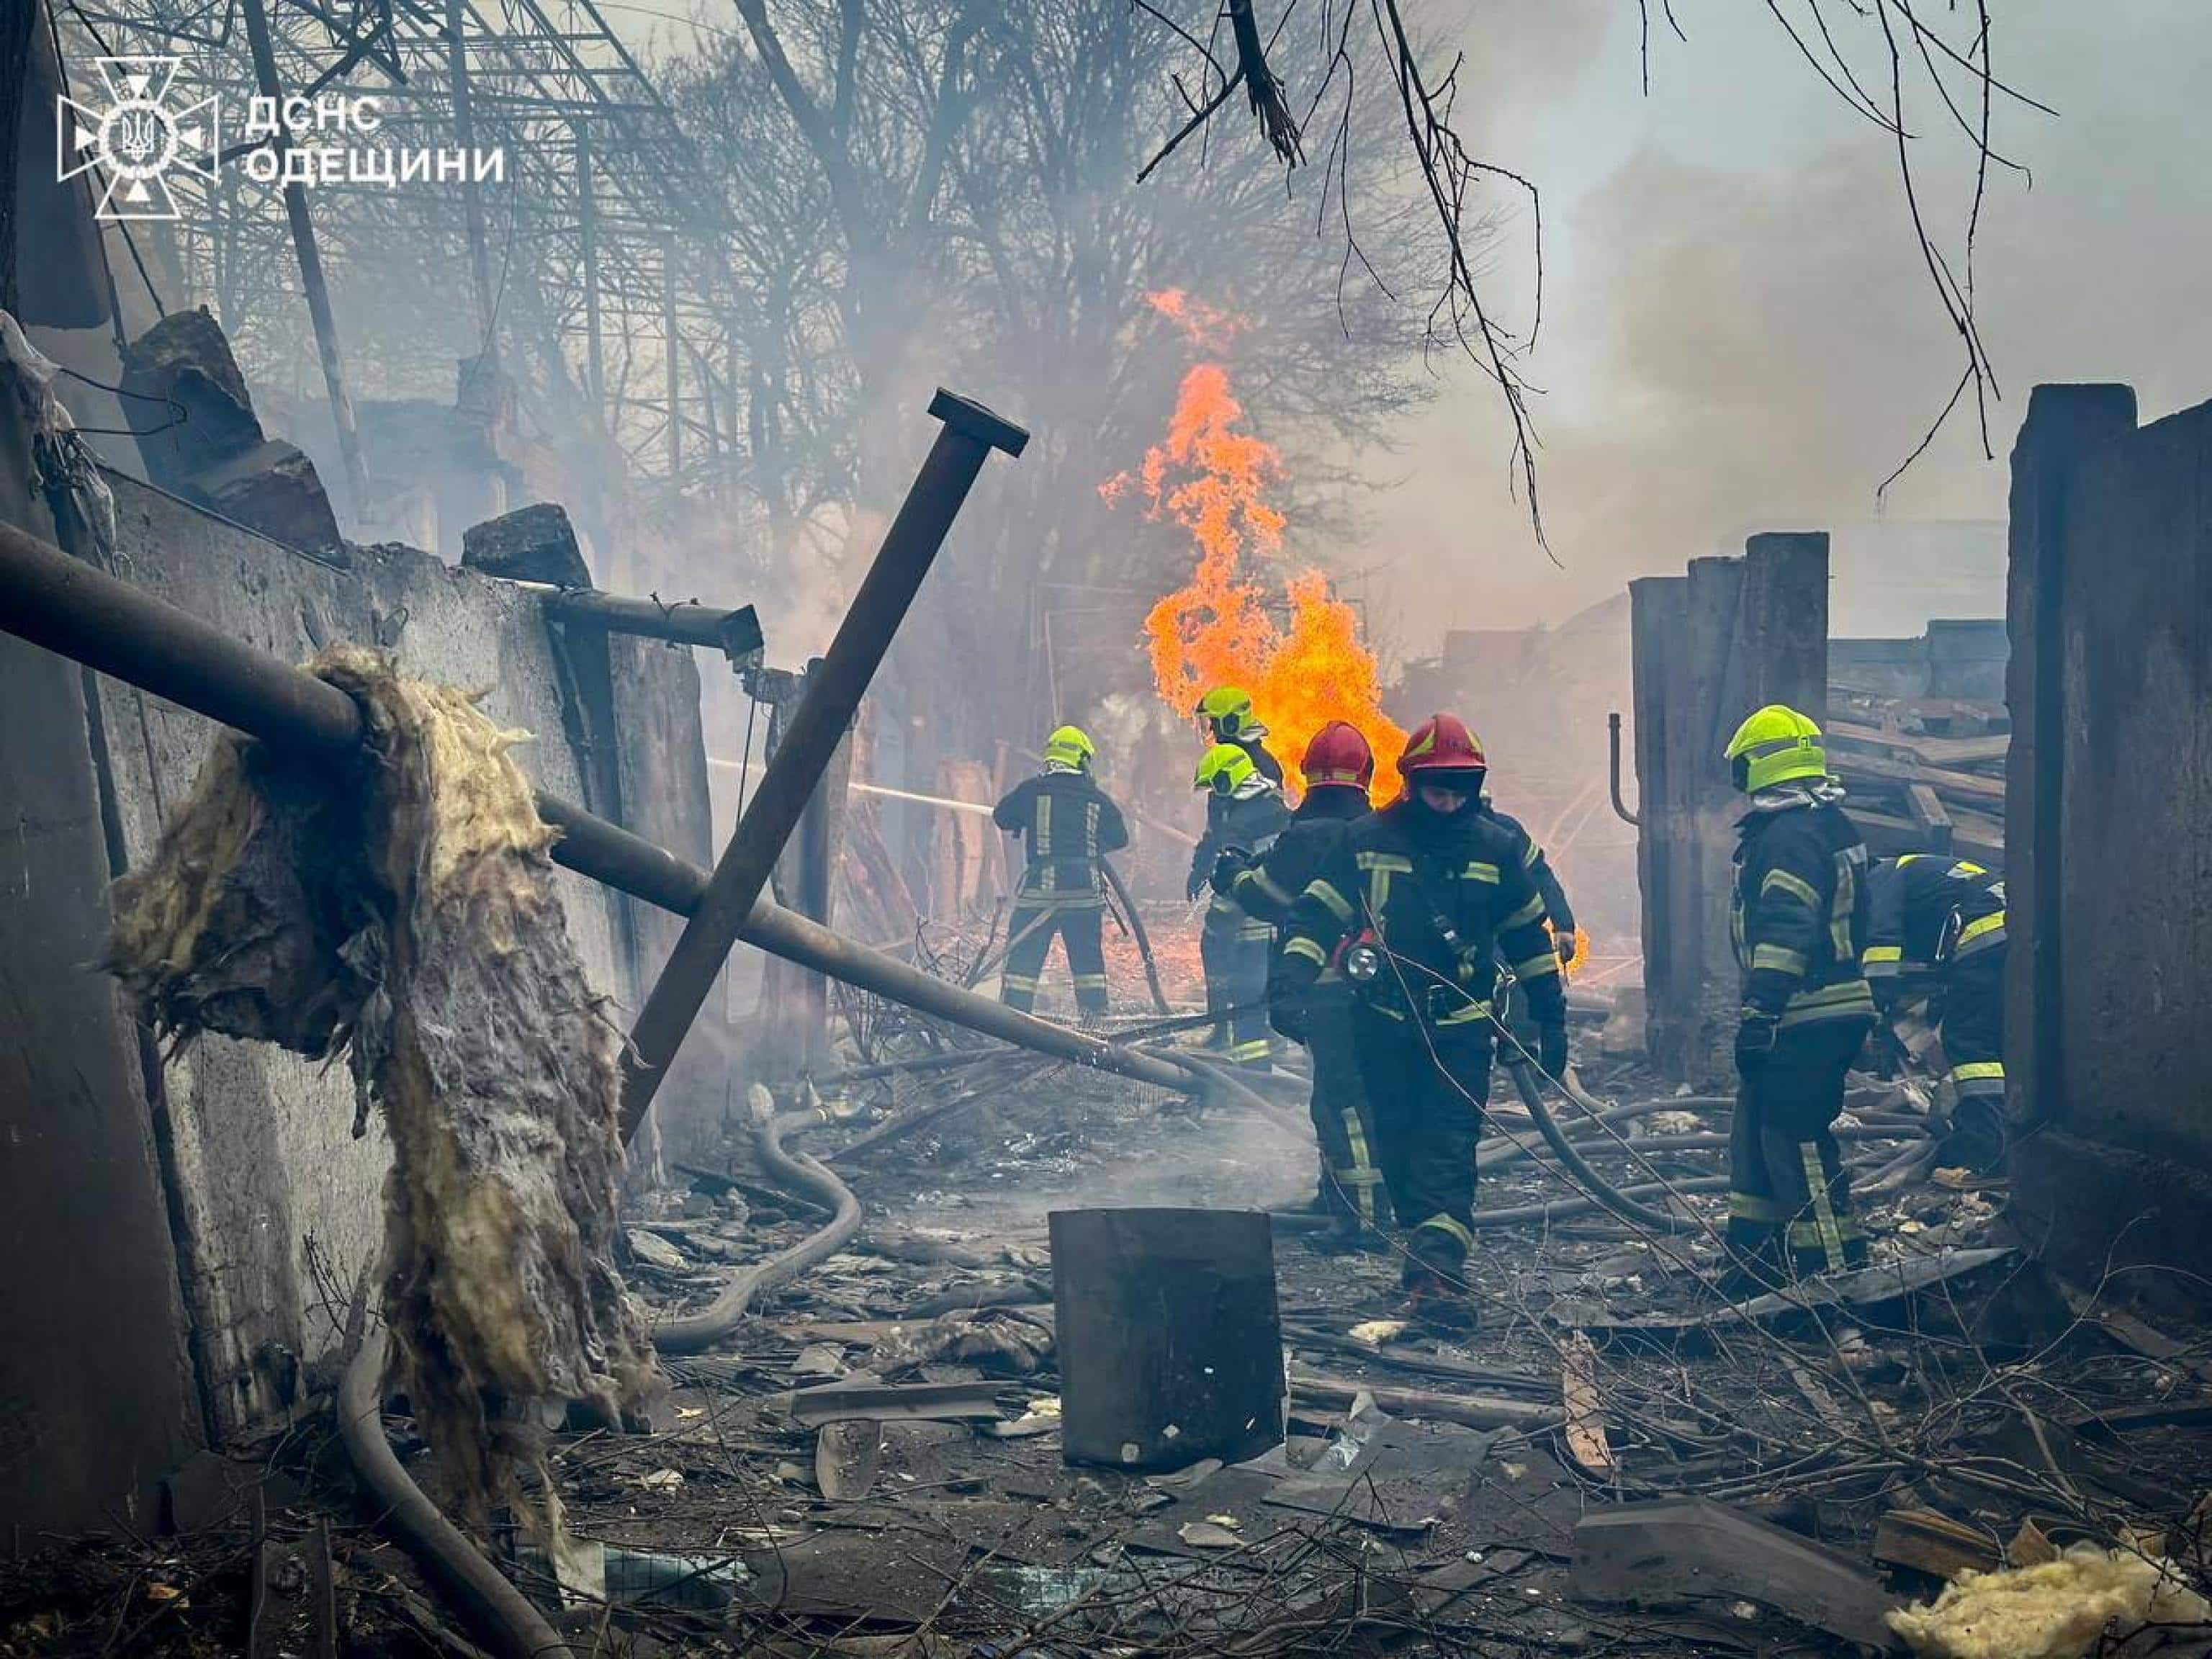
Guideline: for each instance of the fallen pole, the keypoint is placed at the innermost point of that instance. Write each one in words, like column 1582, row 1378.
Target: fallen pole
column 834, row 688
column 83, row 613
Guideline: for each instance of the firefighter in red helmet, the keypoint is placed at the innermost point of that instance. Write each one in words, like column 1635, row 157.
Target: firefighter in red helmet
column 1338, row 768
column 1415, row 906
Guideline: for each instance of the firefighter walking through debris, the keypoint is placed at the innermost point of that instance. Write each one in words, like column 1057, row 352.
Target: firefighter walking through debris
column 1338, row 768
column 1244, row 813
column 1938, row 921
column 1240, row 814
column 1068, row 825
column 1415, row 905
column 1799, row 916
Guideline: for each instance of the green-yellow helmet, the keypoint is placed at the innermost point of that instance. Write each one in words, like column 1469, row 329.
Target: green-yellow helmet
column 1070, row 746
column 1776, row 746
column 1228, row 708
column 1223, row 768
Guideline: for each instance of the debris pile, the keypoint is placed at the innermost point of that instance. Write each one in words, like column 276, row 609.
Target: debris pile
column 406, row 914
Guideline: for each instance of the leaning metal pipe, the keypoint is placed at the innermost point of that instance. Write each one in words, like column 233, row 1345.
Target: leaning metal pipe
column 689, row 1332
column 85, row 614
column 1613, row 739
column 834, row 687
column 498, row 1612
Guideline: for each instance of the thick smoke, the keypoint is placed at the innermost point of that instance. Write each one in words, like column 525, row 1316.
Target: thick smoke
column 1740, row 332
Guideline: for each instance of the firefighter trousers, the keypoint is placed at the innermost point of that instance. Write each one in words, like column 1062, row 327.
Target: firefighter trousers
column 1426, row 1091
column 1972, row 1030
column 1029, row 933
column 1351, row 1190
column 1789, row 1197
column 1233, row 949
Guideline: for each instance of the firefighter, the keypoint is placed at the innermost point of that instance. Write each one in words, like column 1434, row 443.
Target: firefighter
column 1414, row 906
column 1069, row 825
column 1933, row 918
column 1799, row 916
column 1227, row 712
column 1338, row 768
column 1244, row 813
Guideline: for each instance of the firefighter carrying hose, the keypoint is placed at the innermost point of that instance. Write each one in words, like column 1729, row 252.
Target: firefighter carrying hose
column 1800, row 920
column 1244, row 813
column 1338, row 768
column 1414, row 906
column 1069, row 825
column 1936, row 922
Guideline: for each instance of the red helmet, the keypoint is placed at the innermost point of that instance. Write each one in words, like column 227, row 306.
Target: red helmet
column 1338, row 755
column 1442, row 743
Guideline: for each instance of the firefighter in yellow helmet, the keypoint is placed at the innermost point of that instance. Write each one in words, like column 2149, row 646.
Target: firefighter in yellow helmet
column 1244, row 813
column 1069, row 825
column 1800, row 920
column 1937, row 928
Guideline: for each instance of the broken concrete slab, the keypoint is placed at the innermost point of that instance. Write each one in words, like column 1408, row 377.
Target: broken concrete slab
column 1692, row 1550
column 201, row 440
column 272, row 487
column 534, row 544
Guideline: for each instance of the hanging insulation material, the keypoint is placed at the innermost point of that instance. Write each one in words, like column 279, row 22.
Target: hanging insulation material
column 403, row 912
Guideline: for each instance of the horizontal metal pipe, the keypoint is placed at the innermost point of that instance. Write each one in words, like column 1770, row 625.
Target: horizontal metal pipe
column 736, row 634
column 87, row 615
column 72, row 609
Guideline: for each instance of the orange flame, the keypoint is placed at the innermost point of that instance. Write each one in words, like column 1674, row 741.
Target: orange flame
column 1211, row 477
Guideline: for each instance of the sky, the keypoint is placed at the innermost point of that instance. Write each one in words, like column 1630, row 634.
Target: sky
column 1738, row 331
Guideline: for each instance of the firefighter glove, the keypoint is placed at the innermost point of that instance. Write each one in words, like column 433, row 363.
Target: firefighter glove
column 1551, row 1050
column 1196, row 885
column 1229, row 864
column 1565, row 945
column 1287, row 1015
column 1754, row 1042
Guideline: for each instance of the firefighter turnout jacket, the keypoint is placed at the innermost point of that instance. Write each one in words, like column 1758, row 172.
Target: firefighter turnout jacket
column 1443, row 899
column 1929, row 908
column 1249, row 823
column 1800, row 911
column 1269, row 886
column 1067, row 825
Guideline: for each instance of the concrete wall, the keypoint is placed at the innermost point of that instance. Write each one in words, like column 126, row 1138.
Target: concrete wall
column 1953, row 658
column 2109, row 831
column 1710, row 646
column 96, row 1395
column 277, row 1207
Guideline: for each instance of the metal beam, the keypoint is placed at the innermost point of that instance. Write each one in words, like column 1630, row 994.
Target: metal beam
column 71, row 608
column 311, row 272
column 834, row 689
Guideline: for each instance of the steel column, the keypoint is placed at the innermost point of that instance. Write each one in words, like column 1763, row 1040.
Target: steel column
column 833, row 695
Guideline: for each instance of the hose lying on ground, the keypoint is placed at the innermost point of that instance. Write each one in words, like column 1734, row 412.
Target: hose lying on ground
column 499, row 1614
column 689, row 1332
column 1607, row 1195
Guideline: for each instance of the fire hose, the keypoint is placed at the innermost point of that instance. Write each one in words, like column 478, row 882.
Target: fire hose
column 689, row 1332
column 1137, row 933
column 499, row 1614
